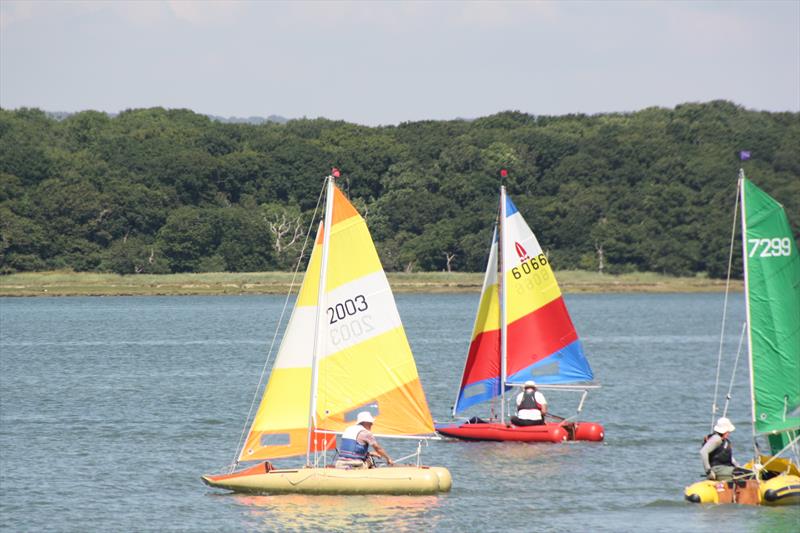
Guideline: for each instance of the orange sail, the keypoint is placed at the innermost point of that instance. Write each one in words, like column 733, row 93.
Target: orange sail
column 363, row 359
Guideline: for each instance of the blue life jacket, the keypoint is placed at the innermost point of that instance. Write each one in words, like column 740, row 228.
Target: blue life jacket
column 350, row 448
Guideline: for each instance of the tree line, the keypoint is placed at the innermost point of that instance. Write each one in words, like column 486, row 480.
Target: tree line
column 169, row 190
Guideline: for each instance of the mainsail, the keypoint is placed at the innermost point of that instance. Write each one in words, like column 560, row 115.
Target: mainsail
column 541, row 341
column 481, row 378
column 772, row 284
column 363, row 358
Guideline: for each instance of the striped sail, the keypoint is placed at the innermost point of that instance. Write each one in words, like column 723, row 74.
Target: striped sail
column 541, row 341
column 364, row 362
column 481, row 378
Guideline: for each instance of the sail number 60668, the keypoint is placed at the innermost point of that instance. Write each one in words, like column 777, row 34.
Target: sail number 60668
column 349, row 307
column 534, row 263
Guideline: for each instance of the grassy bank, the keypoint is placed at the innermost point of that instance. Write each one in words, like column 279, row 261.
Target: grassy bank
column 91, row 284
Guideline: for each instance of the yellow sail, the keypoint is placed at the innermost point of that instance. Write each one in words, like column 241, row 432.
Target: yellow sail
column 364, row 360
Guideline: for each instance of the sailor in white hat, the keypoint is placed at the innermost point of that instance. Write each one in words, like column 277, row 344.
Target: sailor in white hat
column 355, row 442
column 717, row 452
column 531, row 406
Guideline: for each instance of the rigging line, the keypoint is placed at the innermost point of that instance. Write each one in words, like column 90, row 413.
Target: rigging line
column 745, row 266
column 791, row 445
column 327, row 226
column 725, row 306
column 735, row 365
column 240, row 444
column 409, row 456
column 416, row 454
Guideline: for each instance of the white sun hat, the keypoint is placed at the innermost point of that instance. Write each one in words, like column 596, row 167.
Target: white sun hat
column 364, row 416
column 724, row 426
column 529, row 383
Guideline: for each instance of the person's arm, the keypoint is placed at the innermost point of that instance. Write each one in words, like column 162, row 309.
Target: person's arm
column 711, row 444
column 369, row 439
column 380, row 451
column 542, row 403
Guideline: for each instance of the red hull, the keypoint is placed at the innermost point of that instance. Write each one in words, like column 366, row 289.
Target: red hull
column 550, row 432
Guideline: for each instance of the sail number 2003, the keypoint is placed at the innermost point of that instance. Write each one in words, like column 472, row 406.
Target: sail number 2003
column 770, row 247
column 535, row 263
column 345, row 330
column 347, row 308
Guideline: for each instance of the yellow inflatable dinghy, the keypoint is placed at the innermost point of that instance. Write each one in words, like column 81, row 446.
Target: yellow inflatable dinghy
column 415, row 480
column 344, row 352
column 783, row 489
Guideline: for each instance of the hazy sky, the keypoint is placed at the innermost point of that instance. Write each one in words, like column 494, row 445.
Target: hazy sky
column 389, row 62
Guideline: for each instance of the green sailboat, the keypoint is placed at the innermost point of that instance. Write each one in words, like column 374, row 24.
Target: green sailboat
column 772, row 288
column 772, row 295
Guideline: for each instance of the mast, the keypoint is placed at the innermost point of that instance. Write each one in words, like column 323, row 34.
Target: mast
column 747, row 307
column 326, row 239
column 502, row 281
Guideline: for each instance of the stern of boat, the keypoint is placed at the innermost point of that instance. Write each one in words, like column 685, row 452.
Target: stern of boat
column 702, row 492
column 781, row 490
column 589, row 431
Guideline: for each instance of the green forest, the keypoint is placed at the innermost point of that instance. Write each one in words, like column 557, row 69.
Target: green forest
column 169, row 190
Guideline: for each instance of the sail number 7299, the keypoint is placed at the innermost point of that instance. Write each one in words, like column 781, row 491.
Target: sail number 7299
column 775, row 247
column 529, row 266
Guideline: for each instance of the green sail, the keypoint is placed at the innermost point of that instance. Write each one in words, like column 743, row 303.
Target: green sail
column 772, row 276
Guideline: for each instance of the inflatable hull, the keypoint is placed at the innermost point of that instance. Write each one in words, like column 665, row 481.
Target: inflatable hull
column 780, row 490
column 262, row 479
column 550, row 432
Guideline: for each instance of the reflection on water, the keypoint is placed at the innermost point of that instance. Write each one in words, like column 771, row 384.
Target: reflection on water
column 134, row 398
column 512, row 457
column 777, row 518
column 306, row 512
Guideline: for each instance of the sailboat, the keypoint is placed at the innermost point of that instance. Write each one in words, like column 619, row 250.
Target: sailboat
column 522, row 332
column 344, row 351
column 772, row 302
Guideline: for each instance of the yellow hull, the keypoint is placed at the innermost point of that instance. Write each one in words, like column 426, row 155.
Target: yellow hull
column 780, row 490
column 389, row 480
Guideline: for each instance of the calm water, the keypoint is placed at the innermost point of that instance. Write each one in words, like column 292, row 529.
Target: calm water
column 111, row 408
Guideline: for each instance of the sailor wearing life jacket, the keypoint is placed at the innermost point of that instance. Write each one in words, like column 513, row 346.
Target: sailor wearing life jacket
column 355, row 442
column 717, row 452
column 531, row 406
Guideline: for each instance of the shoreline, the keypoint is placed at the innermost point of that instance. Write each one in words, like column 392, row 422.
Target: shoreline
column 51, row 284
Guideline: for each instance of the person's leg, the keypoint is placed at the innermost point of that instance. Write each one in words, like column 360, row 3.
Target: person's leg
column 517, row 421
column 722, row 472
column 350, row 464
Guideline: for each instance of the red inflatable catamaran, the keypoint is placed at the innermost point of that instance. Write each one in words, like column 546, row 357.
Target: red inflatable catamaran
column 522, row 332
